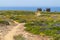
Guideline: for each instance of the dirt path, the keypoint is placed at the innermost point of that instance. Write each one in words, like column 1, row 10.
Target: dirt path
column 19, row 30
column 29, row 36
column 11, row 33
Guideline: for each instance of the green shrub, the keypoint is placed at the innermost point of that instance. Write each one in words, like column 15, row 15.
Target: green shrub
column 19, row 37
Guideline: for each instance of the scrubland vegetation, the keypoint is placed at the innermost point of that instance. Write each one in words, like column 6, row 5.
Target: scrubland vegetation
column 47, row 24
column 19, row 37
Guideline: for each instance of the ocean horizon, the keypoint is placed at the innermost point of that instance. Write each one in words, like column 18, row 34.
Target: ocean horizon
column 53, row 9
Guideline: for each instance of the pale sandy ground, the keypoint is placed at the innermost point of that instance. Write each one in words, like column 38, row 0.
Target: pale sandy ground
column 19, row 30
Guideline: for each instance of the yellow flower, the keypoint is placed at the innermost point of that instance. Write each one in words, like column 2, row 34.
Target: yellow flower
column 42, row 34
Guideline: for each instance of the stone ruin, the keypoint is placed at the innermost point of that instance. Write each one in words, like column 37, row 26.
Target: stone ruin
column 38, row 12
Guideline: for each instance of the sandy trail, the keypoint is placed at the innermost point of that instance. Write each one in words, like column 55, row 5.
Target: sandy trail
column 11, row 33
column 19, row 30
column 29, row 36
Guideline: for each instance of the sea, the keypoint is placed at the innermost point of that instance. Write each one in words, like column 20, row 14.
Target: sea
column 53, row 9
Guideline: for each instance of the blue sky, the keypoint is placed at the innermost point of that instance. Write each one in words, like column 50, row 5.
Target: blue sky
column 29, row 3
